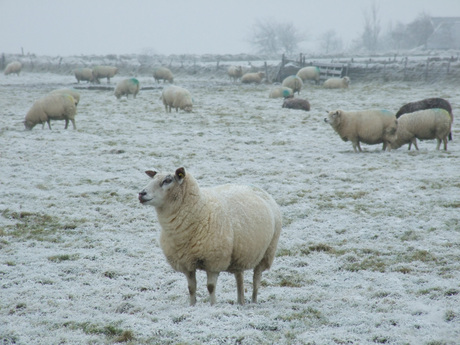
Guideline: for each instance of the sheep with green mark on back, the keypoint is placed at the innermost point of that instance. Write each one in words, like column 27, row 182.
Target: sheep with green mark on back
column 127, row 87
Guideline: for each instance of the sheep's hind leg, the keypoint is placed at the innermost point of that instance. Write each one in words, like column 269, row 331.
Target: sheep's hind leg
column 240, row 287
column 191, row 280
column 256, row 282
column 212, row 283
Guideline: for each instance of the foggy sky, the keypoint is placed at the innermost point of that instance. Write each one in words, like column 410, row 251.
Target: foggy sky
column 53, row 27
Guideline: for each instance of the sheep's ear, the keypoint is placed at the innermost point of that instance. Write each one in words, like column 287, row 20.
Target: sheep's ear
column 151, row 173
column 180, row 174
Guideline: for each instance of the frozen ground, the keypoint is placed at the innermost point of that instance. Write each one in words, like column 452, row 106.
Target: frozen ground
column 370, row 247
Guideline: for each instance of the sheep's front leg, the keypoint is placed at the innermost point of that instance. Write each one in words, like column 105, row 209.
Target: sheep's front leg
column 212, row 283
column 240, row 287
column 191, row 280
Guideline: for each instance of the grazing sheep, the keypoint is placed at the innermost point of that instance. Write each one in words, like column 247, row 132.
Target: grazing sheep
column 54, row 106
column 255, row 78
column 13, row 67
column 229, row 228
column 163, row 73
column 281, row 91
column 296, row 103
column 337, row 83
column 73, row 93
column 85, row 74
column 427, row 103
column 293, row 82
column 367, row 126
column 309, row 73
column 178, row 98
column 235, row 72
column 127, row 87
column 104, row 72
column 423, row 124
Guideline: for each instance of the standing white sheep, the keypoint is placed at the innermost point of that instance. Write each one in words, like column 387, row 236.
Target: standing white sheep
column 54, row 106
column 423, row 124
column 13, row 67
column 337, row 83
column 104, row 72
column 235, row 72
column 178, row 98
column 228, row 228
column 84, row 74
column 293, row 82
column 163, row 73
column 309, row 73
column 127, row 87
column 367, row 126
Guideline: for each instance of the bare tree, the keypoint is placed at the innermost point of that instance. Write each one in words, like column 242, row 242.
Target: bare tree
column 271, row 37
column 330, row 42
column 420, row 30
column 370, row 36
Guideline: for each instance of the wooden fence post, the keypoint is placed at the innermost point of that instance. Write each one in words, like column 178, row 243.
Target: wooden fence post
column 426, row 69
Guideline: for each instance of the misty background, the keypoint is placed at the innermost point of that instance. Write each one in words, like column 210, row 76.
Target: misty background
column 50, row 27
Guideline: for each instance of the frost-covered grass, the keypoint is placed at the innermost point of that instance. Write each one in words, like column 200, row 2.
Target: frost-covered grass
column 369, row 251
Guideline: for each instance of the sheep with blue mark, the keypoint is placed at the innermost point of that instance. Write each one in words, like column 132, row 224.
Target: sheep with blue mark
column 127, row 87
column 281, row 91
column 309, row 73
column 293, row 82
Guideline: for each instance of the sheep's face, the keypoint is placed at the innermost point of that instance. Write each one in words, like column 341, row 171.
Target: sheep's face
column 162, row 188
column 29, row 125
column 391, row 132
column 333, row 118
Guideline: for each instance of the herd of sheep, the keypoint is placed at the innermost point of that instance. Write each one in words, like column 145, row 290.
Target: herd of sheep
column 234, row 228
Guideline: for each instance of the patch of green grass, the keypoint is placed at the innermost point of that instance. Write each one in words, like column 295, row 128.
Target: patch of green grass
column 35, row 226
column 111, row 331
column 63, row 257
column 368, row 264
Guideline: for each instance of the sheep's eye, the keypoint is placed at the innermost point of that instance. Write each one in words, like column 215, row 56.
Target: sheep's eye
column 167, row 180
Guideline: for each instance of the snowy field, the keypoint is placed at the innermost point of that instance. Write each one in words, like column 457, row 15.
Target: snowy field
column 370, row 247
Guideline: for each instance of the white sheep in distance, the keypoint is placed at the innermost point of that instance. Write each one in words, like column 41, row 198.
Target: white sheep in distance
column 104, row 72
column 337, row 83
column 425, row 124
column 235, row 72
column 54, row 106
column 163, row 73
column 85, row 74
column 367, row 126
column 177, row 97
column 228, row 228
column 13, row 67
column 127, row 87
column 281, row 91
column 73, row 93
column 309, row 73
column 293, row 82
column 253, row 77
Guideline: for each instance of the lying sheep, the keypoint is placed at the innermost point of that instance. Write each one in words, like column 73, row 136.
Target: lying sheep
column 293, row 82
column 163, row 73
column 13, row 67
column 281, row 91
column 235, row 72
column 230, row 228
column 178, row 98
column 84, row 74
column 127, row 87
column 254, row 78
column 427, row 103
column 73, row 93
column 309, row 73
column 367, row 126
column 104, row 72
column 337, row 83
column 423, row 124
column 54, row 106
column 296, row 103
